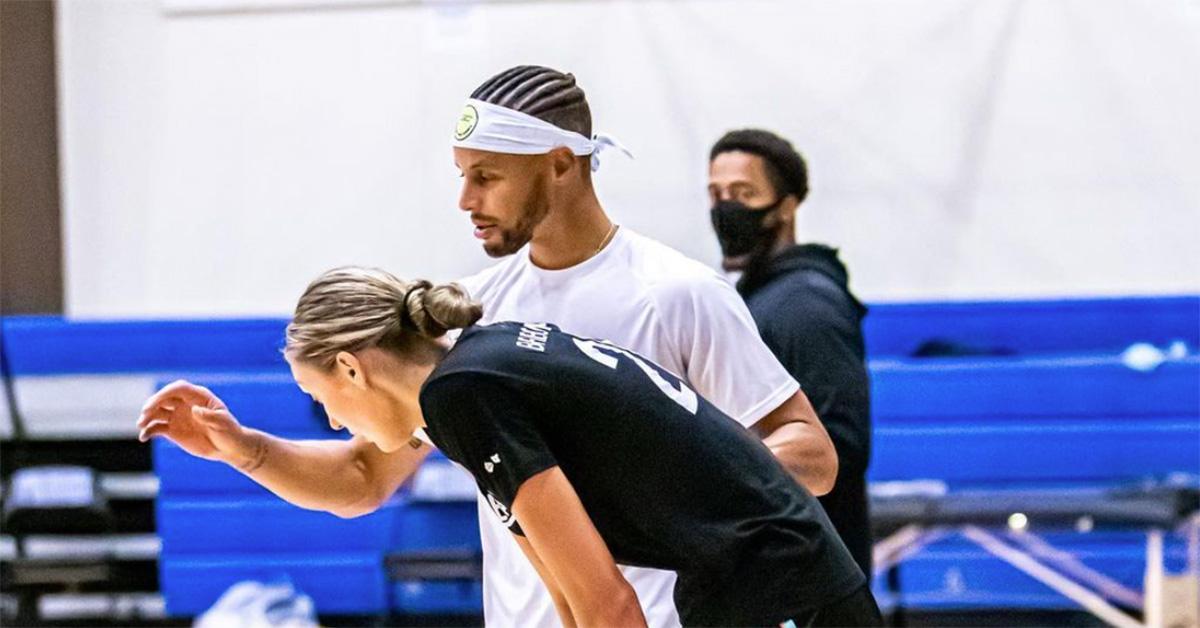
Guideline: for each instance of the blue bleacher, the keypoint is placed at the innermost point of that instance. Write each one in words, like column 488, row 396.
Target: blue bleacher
column 955, row 574
column 52, row 345
column 1071, row 419
column 343, row 582
column 1050, row 405
column 1034, row 327
column 1047, row 402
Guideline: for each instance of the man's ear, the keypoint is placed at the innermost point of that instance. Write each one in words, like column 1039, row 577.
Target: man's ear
column 789, row 205
column 349, row 369
column 562, row 162
column 785, row 215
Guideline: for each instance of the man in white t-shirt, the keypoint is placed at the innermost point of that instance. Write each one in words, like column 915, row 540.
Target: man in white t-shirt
column 525, row 147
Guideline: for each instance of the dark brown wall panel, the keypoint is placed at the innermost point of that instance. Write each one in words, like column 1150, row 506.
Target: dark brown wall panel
column 30, row 220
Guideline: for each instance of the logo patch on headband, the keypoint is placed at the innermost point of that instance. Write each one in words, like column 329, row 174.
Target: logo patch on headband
column 466, row 123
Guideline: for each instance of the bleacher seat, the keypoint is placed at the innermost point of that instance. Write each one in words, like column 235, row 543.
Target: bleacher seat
column 1033, row 419
column 1046, row 407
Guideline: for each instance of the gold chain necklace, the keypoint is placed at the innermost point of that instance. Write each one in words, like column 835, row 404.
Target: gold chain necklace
column 612, row 230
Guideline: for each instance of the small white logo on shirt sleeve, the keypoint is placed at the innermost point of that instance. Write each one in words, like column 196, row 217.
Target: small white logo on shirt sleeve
column 501, row 511
column 490, row 465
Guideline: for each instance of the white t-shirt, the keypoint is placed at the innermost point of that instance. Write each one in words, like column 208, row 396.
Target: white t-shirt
column 644, row 296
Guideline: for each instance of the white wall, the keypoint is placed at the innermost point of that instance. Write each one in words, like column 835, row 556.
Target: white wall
column 214, row 162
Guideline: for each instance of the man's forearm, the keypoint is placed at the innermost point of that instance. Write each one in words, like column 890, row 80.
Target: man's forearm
column 796, row 436
column 329, row 475
column 806, row 454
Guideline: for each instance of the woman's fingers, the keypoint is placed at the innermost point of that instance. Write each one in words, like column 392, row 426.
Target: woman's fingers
column 154, row 428
column 154, row 414
column 180, row 390
column 163, row 410
column 143, row 420
column 174, row 397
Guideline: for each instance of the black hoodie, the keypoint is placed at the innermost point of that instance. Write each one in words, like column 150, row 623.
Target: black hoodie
column 808, row 317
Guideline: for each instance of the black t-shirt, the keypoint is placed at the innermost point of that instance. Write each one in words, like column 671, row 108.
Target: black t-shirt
column 668, row 480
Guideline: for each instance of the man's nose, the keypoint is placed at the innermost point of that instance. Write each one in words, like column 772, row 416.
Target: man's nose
column 334, row 425
column 466, row 199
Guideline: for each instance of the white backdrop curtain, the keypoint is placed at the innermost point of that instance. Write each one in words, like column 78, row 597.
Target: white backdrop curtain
column 217, row 154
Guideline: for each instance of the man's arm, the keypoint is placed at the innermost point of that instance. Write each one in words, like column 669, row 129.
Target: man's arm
column 798, row 439
column 728, row 363
column 574, row 557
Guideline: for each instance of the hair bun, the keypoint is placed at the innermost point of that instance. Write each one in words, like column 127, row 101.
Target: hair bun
column 434, row 310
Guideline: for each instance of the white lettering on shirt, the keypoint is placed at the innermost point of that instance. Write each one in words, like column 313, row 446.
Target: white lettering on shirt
column 533, row 336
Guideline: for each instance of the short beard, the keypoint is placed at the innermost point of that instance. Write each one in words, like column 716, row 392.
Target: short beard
column 534, row 209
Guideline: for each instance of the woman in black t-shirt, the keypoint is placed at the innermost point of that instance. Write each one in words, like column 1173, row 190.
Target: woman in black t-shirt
column 589, row 453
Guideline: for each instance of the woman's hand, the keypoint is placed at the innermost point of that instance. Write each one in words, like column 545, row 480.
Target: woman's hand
column 194, row 418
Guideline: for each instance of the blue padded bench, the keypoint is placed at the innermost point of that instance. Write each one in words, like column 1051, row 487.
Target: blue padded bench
column 221, row 541
column 1047, row 419
column 268, row 525
column 52, row 345
column 339, row 582
column 1034, row 326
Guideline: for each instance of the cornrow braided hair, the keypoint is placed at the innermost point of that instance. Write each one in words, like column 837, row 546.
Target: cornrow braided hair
column 541, row 92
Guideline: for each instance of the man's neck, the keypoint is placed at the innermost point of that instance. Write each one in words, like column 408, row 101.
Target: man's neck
column 571, row 234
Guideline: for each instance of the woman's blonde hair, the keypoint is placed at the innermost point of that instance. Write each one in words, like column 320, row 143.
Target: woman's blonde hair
column 354, row 308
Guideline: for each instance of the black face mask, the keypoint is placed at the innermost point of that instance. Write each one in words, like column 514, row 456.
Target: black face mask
column 739, row 228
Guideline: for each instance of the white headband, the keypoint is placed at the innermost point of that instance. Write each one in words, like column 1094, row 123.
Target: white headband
column 484, row 126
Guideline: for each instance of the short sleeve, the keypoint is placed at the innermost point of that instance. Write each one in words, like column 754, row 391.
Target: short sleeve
column 481, row 423
column 725, row 359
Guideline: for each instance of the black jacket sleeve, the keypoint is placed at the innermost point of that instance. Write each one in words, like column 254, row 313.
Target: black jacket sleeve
column 815, row 330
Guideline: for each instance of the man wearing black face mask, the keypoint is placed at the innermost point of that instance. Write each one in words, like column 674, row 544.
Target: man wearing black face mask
column 800, row 300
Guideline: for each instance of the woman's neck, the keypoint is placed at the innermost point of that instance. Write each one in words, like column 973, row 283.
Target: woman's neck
column 401, row 382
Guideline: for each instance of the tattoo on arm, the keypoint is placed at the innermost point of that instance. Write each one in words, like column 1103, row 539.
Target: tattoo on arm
column 257, row 458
